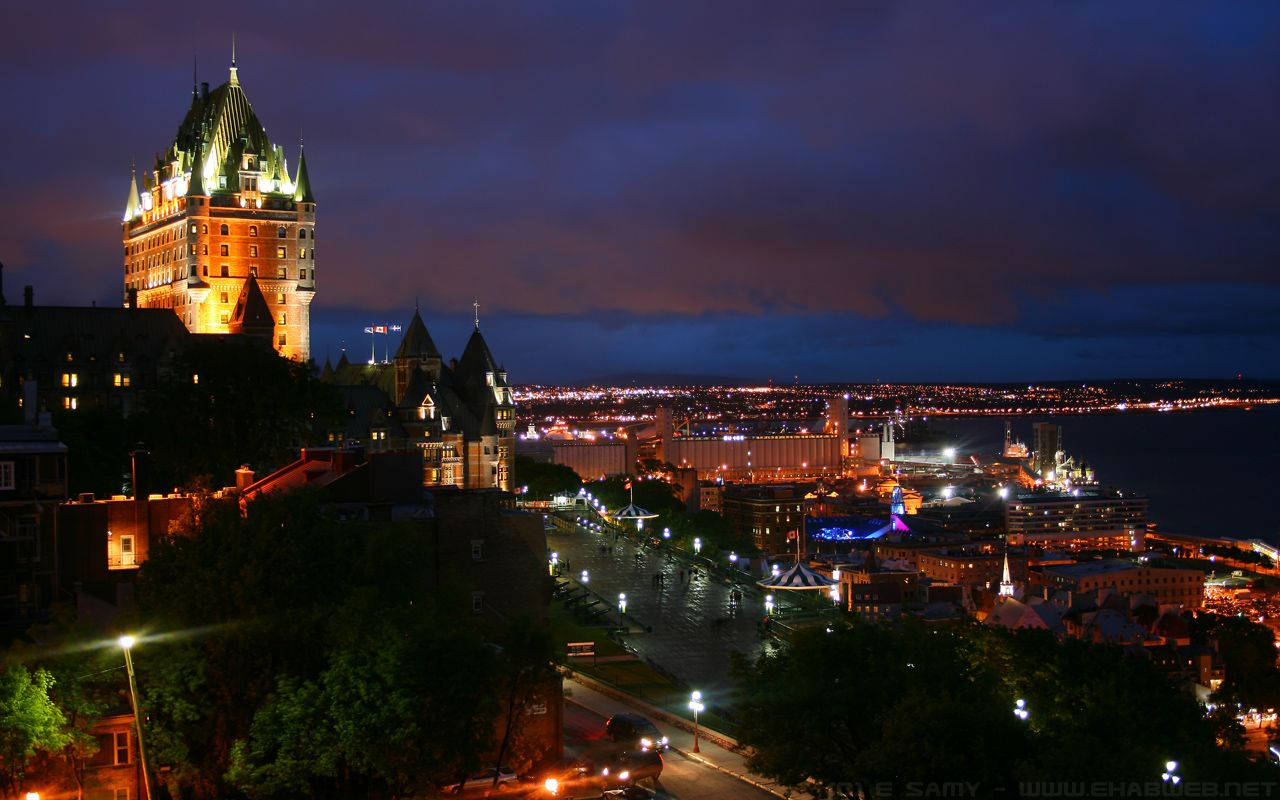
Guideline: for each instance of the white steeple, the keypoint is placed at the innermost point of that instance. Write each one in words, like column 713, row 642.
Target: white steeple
column 1006, row 584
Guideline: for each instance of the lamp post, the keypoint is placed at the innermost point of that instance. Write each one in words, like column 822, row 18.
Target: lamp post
column 1020, row 709
column 586, row 576
column 768, row 604
column 1170, row 773
column 622, row 602
column 695, row 705
column 697, row 545
column 126, row 644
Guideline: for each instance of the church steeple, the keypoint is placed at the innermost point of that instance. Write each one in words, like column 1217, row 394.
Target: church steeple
column 1006, row 583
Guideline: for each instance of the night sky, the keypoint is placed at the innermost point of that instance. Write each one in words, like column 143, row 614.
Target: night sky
column 834, row 191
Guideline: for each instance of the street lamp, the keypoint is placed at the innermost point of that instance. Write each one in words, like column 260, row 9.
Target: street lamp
column 1169, row 776
column 666, row 533
column 622, row 602
column 553, row 562
column 697, row 545
column 695, row 705
column 1020, row 709
column 768, row 604
column 126, row 643
column 950, row 453
column 775, row 570
column 835, row 594
column 585, row 576
column 733, row 558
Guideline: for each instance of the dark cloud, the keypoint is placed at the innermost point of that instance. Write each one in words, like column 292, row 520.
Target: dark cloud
column 996, row 169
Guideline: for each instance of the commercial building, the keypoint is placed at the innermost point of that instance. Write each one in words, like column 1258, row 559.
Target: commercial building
column 766, row 514
column 217, row 213
column 1167, row 585
column 1079, row 519
column 971, row 566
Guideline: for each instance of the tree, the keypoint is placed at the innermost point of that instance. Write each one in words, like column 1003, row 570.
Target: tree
column 546, row 480
column 29, row 722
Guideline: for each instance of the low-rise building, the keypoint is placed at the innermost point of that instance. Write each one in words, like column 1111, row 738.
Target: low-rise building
column 766, row 514
column 971, row 565
column 1166, row 585
column 33, row 481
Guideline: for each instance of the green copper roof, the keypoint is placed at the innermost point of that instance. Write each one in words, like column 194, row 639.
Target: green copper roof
column 302, row 184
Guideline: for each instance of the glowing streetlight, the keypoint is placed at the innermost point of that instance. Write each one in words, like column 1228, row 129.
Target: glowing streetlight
column 586, row 576
column 666, row 533
column 126, row 643
column 697, row 545
column 733, row 558
column 1020, row 709
column 768, row 604
column 33, row 796
column 552, row 786
column 552, row 562
column 696, row 706
column 775, row 570
column 1169, row 775
column 622, row 602
column 949, row 453
column 1003, row 492
column 835, row 594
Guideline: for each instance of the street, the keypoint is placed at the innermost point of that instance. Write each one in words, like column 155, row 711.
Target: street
column 681, row 778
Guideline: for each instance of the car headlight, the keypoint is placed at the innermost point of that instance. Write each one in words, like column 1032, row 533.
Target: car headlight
column 646, row 743
column 625, row 775
column 663, row 741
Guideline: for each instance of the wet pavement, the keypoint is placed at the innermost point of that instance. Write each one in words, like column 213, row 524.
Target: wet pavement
column 691, row 625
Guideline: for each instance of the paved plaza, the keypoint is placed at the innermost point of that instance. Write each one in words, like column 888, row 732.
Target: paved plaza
column 693, row 626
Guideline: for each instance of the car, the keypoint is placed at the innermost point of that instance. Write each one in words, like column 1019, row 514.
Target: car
column 628, row 793
column 484, row 779
column 628, row 766
column 633, row 730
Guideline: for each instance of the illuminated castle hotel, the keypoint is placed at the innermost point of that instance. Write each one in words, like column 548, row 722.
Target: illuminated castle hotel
column 221, row 230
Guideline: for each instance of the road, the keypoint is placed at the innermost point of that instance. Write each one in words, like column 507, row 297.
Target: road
column 682, row 777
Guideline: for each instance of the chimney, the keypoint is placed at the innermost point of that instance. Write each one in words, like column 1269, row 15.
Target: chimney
column 27, row 296
column 244, row 477
column 30, row 402
column 139, row 460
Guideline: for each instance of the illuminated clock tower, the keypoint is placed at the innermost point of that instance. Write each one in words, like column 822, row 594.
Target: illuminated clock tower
column 218, row 213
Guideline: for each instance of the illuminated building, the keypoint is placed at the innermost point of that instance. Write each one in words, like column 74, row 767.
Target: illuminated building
column 1168, row 586
column 1048, row 440
column 971, row 566
column 771, row 516
column 460, row 415
column 218, row 212
column 1079, row 519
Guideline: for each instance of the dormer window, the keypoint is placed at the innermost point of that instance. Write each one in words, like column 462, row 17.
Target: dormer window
column 488, row 377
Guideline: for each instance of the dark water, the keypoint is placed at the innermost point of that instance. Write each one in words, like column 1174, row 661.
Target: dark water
column 1206, row 472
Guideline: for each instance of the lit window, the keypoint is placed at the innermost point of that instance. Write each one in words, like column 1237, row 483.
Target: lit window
column 302, row 252
column 279, row 298
column 283, row 318
column 281, row 341
column 253, row 250
column 120, row 379
column 222, row 297
column 195, row 377
column 69, row 403
column 282, row 252
column 253, row 230
column 204, row 228
column 282, row 272
column 224, row 250
column 224, row 318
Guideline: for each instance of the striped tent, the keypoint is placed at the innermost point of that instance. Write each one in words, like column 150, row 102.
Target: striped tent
column 798, row 577
column 633, row 512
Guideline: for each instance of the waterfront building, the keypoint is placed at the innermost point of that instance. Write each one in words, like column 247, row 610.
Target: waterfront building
column 218, row 212
column 1048, row 443
column 1098, row 519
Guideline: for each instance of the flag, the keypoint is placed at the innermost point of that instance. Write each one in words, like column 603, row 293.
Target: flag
column 379, row 328
column 793, row 535
column 628, row 484
column 395, row 328
column 368, row 329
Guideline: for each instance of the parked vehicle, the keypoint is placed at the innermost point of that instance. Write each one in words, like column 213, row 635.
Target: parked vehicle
column 636, row 732
column 484, row 779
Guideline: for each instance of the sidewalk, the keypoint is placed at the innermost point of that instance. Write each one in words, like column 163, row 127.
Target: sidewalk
column 713, row 748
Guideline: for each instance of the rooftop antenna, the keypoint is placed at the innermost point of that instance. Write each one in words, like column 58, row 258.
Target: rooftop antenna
column 235, row 77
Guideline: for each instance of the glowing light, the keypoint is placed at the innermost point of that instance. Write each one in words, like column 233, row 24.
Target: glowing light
column 551, row 785
column 126, row 642
column 697, row 544
column 586, row 576
column 949, row 453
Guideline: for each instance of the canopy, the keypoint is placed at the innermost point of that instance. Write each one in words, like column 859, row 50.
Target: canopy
column 798, row 577
column 633, row 511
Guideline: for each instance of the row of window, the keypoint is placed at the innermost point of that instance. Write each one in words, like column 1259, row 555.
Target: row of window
column 281, row 272
column 225, row 230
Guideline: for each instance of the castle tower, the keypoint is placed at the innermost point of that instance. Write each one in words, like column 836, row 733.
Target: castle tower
column 217, row 208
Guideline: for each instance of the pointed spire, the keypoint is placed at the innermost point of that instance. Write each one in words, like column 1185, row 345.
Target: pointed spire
column 302, row 183
column 235, row 76
column 195, row 77
column 417, row 342
column 1006, row 583
column 475, row 304
column 133, row 207
column 195, row 187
